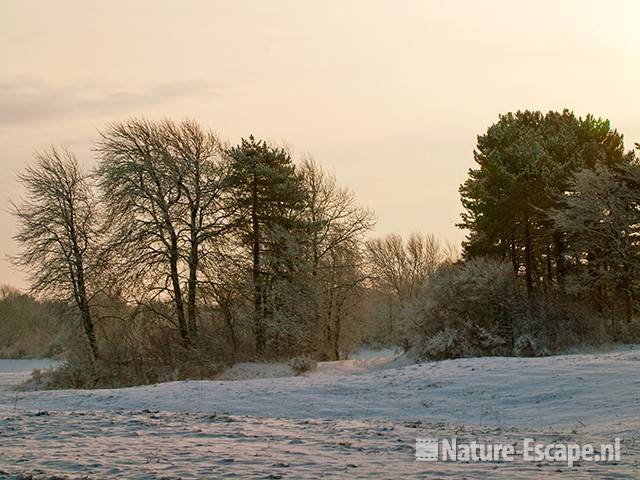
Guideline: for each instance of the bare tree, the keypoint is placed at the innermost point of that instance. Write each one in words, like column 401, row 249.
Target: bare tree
column 402, row 266
column 57, row 231
column 335, row 217
column 399, row 269
column 338, row 225
column 165, row 187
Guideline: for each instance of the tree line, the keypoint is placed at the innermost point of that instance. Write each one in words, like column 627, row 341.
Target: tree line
column 179, row 249
column 179, row 240
column 557, row 195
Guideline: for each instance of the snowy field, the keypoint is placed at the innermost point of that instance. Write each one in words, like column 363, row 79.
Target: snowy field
column 350, row 419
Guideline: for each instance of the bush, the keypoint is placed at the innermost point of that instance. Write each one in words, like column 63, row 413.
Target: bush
column 446, row 343
column 479, row 308
column 468, row 309
column 527, row 346
column 302, row 364
column 136, row 350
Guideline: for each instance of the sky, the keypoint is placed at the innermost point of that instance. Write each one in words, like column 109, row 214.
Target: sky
column 390, row 95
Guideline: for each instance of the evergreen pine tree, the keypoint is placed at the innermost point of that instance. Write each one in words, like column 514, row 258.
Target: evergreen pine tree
column 269, row 197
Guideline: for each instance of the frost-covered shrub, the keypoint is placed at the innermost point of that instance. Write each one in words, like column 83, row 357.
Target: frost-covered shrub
column 457, row 343
column 469, row 309
column 302, row 364
column 526, row 346
column 447, row 343
column 480, row 308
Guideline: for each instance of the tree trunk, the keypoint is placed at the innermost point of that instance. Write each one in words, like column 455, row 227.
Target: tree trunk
column 528, row 256
column 192, row 281
column 259, row 327
column 191, row 304
column 549, row 266
column 515, row 262
column 79, row 286
column 87, row 325
column 85, row 312
column 558, row 245
column 336, row 333
column 177, row 293
column 628, row 307
column 228, row 320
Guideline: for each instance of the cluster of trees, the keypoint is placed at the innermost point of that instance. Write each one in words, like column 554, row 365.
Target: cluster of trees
column 400, row 270
column 179, row 243
column 557, row 195
column 526, row 162
column 179, row 248
column 557, row 198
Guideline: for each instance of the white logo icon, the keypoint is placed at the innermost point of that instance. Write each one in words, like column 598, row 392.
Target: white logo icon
column 427, row 449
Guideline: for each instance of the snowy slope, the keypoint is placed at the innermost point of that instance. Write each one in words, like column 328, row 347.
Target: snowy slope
column 597, row 391
column 352, row 419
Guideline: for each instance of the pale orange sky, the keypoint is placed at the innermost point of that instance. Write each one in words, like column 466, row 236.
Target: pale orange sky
column 389, row 94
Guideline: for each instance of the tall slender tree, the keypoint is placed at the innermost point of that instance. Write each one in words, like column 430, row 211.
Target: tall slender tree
column 58, row 231
column 269, row 195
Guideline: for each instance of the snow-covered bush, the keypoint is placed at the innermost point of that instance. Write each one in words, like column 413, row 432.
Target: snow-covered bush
column 447, row 343
column 469, row 309
column 480, row 308
column 302, row 364
column 526, row 346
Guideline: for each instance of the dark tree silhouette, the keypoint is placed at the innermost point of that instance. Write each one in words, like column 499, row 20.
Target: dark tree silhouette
column 57, row 228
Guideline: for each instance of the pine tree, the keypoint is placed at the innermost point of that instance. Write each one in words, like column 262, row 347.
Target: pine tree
column 269, row 197
column 524, row 161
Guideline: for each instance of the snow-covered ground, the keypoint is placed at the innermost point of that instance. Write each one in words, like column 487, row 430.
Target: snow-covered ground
column 349, row 419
